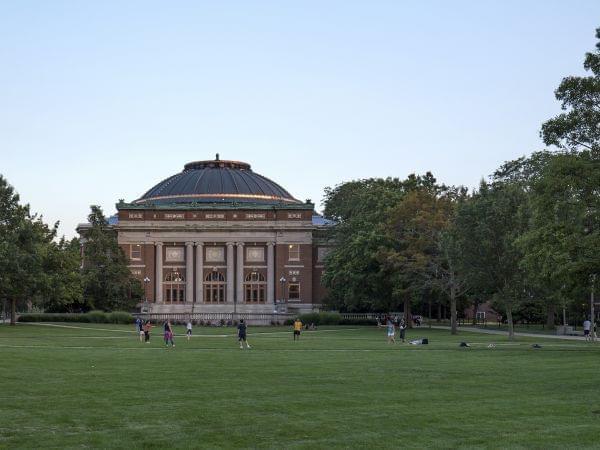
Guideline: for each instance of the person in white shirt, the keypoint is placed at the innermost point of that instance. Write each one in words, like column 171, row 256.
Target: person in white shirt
column 188, row 329
column 587, row 326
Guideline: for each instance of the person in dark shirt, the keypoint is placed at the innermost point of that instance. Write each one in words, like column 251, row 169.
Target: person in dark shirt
column 242, row 334
column 402, row 328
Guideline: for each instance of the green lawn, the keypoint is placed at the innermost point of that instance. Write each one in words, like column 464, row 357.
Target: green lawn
column 98, row 386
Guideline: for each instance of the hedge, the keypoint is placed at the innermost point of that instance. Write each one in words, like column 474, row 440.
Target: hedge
column 121, row 317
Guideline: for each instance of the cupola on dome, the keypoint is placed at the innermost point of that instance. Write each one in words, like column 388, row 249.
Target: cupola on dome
column 217, row 181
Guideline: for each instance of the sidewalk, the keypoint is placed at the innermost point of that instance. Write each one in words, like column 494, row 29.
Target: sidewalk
column 505, row 333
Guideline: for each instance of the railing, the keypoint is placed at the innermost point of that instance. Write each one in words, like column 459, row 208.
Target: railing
column 370, row 315
column 218, row 318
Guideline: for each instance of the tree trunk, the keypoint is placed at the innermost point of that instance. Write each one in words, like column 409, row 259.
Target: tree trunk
column 509, row 319
column 453, row 325
column 407, row 314
column 429, row 315
column 439, row 311
column 551, row 316
column 475, row 307
column 13, row 312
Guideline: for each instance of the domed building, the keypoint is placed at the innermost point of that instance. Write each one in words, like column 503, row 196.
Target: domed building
column 220, row 238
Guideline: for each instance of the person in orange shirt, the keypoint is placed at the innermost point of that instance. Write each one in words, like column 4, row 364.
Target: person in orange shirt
column 297, row 328
column 147, row 328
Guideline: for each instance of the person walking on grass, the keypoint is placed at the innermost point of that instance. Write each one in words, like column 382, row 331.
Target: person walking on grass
column 147, row 328
column 402, row 328
column 188, row 329
column 138, row 325
column 391, row 332
column 168, row 334
column 587, row 326
column 242, row 334
column 297, row 328
column 139, row 328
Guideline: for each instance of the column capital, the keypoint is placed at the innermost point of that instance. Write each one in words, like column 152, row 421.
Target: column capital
column 230, row 244
column 189, row 244
column 239, row 244
column 158, row 244
column 270, row 244
column 199, row 244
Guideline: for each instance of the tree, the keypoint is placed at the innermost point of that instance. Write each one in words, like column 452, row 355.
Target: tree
column 355, row 272
column 423, row 257
column 578, row 127
column 24, row 243
column 561, row 244
column 356, row 279
column 62, row 283
column 107, row 280
column 487, row 226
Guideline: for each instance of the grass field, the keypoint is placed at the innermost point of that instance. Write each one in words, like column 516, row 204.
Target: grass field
column 74, row 386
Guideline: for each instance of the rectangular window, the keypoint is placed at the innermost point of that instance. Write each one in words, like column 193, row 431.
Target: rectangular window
column 294, row 291
column 215, row 254
column 136, row 252
column 255, row 254
column 294, row 252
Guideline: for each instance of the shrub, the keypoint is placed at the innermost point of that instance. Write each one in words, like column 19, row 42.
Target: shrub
column 52, row 317
column 97, row 317
column 121, row 317
column 321, row 318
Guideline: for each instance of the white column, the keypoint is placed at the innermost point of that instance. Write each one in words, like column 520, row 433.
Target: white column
column 189, row 272
column 159, row 270
column 230, row 275
column 239, row 291
column 199, row 272
column 270, row 272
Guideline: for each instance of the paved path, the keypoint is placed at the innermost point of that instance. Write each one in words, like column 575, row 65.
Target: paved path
column 505, row 333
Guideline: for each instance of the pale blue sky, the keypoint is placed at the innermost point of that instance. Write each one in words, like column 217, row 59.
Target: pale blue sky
column 101, row 100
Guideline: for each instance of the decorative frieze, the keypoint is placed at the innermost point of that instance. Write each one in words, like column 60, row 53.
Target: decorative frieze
column 215, row 254
column 255, row 254
column 174, row 254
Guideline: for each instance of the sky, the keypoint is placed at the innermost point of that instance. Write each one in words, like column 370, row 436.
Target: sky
column 99, row 101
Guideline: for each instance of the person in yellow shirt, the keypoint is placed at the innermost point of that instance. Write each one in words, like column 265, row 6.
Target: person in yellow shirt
column 297, row 328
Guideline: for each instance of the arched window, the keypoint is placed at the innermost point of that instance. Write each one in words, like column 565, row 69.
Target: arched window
column 254, row 285
column 174, row 287
column 214, row 287
column 174, row 277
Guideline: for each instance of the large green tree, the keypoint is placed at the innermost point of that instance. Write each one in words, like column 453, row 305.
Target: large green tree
column 422, row 258
column 561, row 244
column 365, row 272
column 487, row 227
column 62, row 282
column 32, row 266
column 356, row 279
column 107, row 280
column 578, row 127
